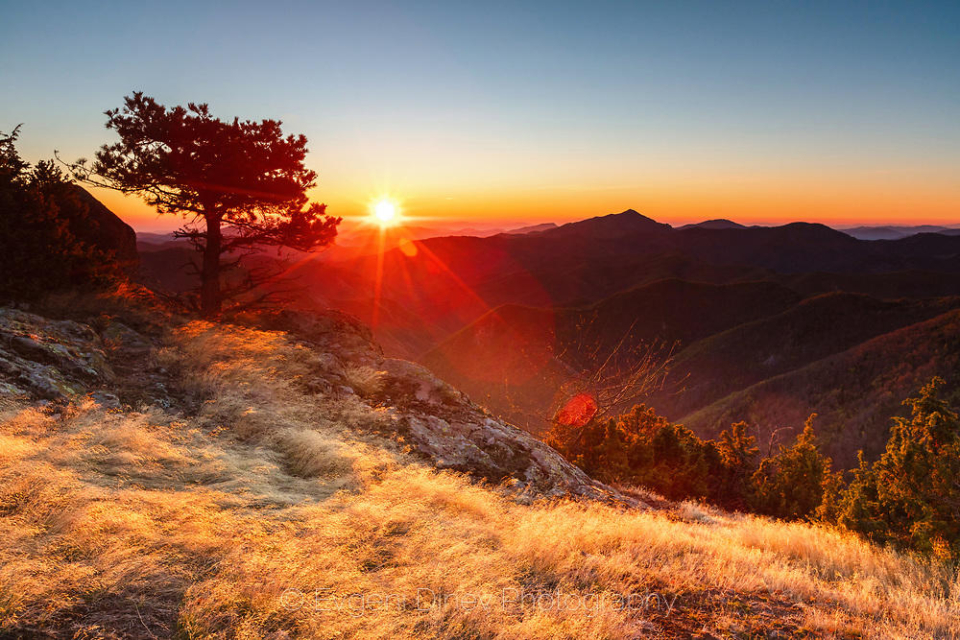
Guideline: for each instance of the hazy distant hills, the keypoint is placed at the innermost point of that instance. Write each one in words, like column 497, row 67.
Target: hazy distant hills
column 533, row 228
column 888, row 232
column 874, row 289
column 864, row 232
column 792, row 248
column 153, row 241
column 897, row 232
column 614, row 227
column 592, row 259
column 769, row 323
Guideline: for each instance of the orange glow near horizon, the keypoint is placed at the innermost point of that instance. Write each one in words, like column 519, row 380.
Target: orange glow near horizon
column 829, row 201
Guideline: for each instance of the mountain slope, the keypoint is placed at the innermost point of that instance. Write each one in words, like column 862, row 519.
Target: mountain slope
column 732, row 360
column 517, row 358
column 672, row 310
column 854, row 392
column 452, row 281
column 891, row 284
column 420, row 292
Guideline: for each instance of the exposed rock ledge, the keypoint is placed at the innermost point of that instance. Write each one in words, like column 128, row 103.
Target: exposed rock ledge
column 54, row 360
column 49, row 359
column 436, row 420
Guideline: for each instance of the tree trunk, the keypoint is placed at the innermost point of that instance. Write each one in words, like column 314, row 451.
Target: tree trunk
column 210, row 299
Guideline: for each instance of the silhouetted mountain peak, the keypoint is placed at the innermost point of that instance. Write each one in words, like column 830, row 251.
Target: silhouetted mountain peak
column 613, row 225
column 814, row 230
column 633, row 215
column 719, row 223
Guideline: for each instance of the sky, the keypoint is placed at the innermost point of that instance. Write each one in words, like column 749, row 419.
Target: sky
column 762, row 112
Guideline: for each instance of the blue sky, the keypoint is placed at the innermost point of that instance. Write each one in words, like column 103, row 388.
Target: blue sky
column 842, row 111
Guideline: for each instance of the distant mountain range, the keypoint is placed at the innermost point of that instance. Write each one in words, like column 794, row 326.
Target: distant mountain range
column 887, row 232
column 897, row 232
column 766, row 324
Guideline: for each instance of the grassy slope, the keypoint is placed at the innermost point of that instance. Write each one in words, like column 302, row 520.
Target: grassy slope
column 150, row 524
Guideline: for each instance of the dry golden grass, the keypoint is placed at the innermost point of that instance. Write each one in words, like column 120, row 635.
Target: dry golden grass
column 268, row 515
column 365, row 380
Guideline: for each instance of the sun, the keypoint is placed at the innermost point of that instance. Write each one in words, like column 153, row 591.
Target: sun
column 386, row 213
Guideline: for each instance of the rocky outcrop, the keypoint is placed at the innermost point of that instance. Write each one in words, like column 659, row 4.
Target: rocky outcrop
column 49, row 359
column 443, row 425
column 45, row 359
column 429, row 416
column 103, row 229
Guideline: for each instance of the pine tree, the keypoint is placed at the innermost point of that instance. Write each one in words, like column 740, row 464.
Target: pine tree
column 860, row 509
column 239, row 184
column 739, row 456
column 911, row 496
column 790, row 485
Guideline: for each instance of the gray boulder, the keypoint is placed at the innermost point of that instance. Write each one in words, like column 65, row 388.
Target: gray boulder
column 49, row 359
column 443, row 425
